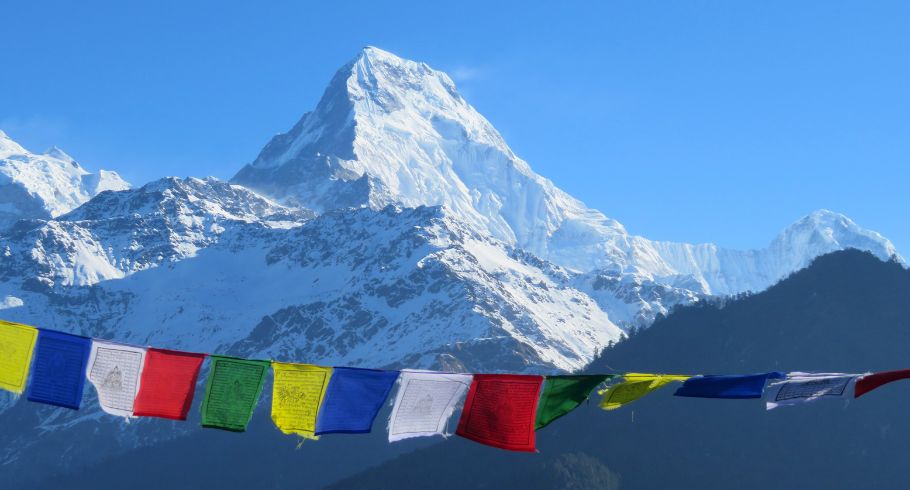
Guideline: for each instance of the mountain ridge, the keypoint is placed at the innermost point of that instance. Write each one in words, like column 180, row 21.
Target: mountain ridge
column 844, row 313
column 393, row 131
column 390, row 227
column 41, row 186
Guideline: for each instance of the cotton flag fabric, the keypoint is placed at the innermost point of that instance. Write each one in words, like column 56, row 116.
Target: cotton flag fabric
column 58, row 374
column 297, row 393
column 353, row 400
column 232, row 391
column 727, row 386
column 800, row 388
column 424, row 403
column 562, row 394
column 167, row 384
column 635, row 386
column 500, row 411
column 115, row 370
column 870, row 382
column 17, row 345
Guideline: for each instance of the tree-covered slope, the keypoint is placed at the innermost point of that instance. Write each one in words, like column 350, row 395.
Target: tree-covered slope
column 847, row 312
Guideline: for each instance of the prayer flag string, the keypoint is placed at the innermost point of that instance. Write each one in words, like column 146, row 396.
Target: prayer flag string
column 499, row 410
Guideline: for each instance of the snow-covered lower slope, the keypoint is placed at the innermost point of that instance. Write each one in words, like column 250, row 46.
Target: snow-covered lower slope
column 45, row 185
column 205, row 265
column 396, row 287
column 389, row 130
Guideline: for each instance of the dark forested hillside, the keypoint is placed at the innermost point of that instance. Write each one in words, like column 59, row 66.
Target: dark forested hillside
column 847, row 312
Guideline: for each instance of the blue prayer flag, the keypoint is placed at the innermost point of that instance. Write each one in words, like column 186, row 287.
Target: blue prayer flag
column 353, row 400
column 734, row 386
column 58, row 375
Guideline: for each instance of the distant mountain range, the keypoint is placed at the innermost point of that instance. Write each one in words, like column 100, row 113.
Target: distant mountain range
column 394, row 131
column 390, row 227
column 45, row 186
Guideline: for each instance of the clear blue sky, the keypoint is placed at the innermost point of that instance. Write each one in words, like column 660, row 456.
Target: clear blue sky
column 693, row 121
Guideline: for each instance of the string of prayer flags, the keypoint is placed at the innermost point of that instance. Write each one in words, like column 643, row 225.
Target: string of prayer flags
column 424, row 403
column 635, row 386
column 870, row 382
column 353, row 400
column 732, row 386
column 114, row 370
column 807, row 387
column 58, row 375
column 500, row 411
column 232, row 391
column 297, row 393
column 562, row 394
column 17, row 344
column 167, row 384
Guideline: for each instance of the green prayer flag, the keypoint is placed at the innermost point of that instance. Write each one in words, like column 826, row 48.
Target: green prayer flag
column 231, row 392
column 561, row 394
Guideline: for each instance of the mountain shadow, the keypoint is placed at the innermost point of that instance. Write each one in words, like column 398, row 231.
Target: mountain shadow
column 847, row 312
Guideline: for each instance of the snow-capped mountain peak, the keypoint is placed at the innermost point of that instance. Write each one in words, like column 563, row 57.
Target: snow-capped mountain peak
column 45, row 185
column 393, row 131
column 825, row 231
column 430, row 245
column 59, row 154
column 8, row 146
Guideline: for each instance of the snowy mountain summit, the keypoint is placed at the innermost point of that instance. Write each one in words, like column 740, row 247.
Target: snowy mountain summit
column 530, row 272
column 394, row 131
column 294, row 258
column 391, row 227
column 45, row 185
column 389, row 130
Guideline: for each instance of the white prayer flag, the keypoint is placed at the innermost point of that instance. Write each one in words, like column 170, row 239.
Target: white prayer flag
column 424, row 403
column 115, row 369
column 806, row 387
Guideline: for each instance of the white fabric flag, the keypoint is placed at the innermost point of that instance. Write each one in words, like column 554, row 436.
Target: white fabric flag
column 806, row 387
column 115, row 369
column 424, row 403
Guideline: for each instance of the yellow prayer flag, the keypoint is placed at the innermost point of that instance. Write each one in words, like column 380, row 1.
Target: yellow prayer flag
column 297, row 393
column 17, row 343
column 633, row 387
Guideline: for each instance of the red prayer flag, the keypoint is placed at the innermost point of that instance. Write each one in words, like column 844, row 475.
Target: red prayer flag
column 167, row 384
column 872, row 381
column 500, row 411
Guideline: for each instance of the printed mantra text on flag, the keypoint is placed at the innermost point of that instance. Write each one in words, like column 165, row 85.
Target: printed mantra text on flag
column 232, row 391
column 114, row 371
column 353, row 400
column 297, row 393
column 500, row 411
column 58, row 376
column 424, row 403
column 799, row 388
column 167, row 384
column 17, row 345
